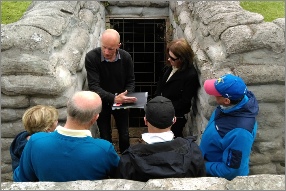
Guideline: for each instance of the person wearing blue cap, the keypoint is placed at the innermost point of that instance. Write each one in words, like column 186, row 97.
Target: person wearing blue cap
column 161, row 156
column 228, row 138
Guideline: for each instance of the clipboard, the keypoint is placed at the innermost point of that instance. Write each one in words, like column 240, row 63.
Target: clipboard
column 140, row 103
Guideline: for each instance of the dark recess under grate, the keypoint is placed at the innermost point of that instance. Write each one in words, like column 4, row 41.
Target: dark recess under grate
column 145, row 40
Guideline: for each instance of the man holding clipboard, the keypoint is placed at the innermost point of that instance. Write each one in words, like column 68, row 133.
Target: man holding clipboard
column 139, row 103
column 110, row 73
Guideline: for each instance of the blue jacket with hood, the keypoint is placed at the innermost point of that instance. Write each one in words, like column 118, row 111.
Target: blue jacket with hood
column 227, row 140
column 17, row 147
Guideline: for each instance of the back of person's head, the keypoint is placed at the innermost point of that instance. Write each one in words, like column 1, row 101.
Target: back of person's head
column 160, row 112
column 228, row 86
column 40, row 118
column 83, row 106
column 182, row 50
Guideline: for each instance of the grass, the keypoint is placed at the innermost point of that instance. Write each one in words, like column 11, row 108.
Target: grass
column 270, row 10
column 12, row 11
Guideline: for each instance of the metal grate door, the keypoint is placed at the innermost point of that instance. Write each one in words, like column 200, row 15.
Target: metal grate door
column 145, row 40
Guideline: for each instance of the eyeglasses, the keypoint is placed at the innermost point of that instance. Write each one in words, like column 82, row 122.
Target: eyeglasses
column 174, row 59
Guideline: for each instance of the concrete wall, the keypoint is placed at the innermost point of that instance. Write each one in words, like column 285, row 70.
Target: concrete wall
column 253, row 182
column 228, row 39
column 42, row 57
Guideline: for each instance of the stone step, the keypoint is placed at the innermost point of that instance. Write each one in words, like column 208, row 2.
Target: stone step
column 134, row 136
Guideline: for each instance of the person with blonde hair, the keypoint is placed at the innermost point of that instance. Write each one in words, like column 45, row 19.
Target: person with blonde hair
column 69, row 153
column 39, row 118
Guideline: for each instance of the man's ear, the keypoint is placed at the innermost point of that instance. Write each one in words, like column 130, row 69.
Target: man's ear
column 226, row 101
column 145, row 121
column 119, row 45
column 174, row 120
column 93, row 120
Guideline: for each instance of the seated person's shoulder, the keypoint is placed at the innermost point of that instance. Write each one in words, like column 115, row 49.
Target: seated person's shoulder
column 104, row 144
column 189, row 138
column 39, row 135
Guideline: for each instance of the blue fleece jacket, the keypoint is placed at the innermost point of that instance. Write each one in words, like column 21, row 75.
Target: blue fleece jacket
column 227, row 140
column 59, row 158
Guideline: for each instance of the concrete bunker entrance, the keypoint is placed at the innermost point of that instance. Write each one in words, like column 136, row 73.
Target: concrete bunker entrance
column 145, row 40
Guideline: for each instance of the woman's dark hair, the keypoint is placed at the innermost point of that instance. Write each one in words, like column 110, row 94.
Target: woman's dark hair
column 182, row 50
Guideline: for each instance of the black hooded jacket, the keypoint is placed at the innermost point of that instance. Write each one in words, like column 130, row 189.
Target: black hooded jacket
column 178, row 158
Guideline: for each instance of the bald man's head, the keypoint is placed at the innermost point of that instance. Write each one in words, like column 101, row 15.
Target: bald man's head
column 83, row 105
column 110, row 43
column 112, row 35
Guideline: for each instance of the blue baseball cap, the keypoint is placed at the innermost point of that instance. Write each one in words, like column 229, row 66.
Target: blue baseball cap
column 228, row 86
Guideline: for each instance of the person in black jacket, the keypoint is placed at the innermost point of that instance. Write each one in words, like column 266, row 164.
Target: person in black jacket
column 110, row 73
column 179, row 82
column 161, row 156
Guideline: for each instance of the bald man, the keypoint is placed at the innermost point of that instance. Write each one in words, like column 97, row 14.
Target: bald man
column 69, row 153
column 110, row 73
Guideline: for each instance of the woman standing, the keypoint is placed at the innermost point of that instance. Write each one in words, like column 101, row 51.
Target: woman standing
column 179, row 81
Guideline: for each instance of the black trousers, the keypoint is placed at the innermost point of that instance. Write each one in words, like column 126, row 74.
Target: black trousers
column 178, row 127
column 121, row 120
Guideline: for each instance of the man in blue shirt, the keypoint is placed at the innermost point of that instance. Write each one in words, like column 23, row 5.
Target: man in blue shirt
column 227, row 140
column 69, row 153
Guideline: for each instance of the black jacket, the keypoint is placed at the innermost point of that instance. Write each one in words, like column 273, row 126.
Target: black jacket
column 108, row 78
column 178, row 158
column 180, row 88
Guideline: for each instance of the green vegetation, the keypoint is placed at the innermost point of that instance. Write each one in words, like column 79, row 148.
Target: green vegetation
column 270, row 10
column 12, row 11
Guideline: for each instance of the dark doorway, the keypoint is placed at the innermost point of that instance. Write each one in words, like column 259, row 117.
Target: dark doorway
column 145, row 40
